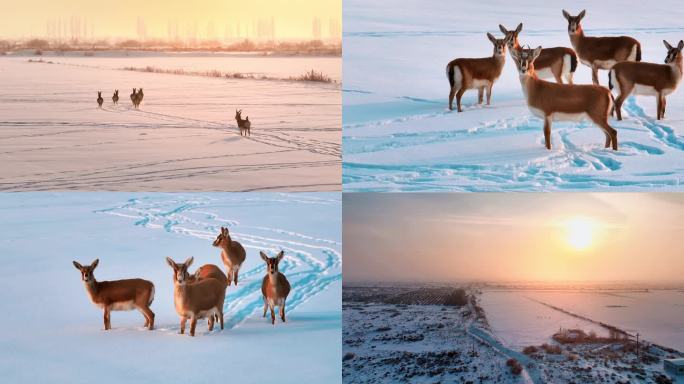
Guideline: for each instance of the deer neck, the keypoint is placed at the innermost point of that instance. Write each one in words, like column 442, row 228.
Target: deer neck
column 677, row 68
column 273, row 278
column 577, row 38
column 92, row 288
column 528, row 81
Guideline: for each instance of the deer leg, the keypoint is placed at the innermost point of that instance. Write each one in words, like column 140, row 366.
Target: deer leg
column 183, row 320
column 659, row 107
column 558, row 77
column 149, row 317
column 282, row 310
column 229, row 271
column 610, row 132
column 236, row 272
column 459, row 94
column 594, row 74
column 272, row 307
column 664, row 102
column 193, row 324
column 265, row 306
column 489, row 94
column 211, row 323
column 106, row 318
column 452, row 93
column 547, row 131
column 618, row 104
column 220, row 312
column 480, row 95
column 568, row 77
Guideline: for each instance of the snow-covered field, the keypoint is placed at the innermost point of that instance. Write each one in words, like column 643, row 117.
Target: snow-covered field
column 52, row 333
column 520, row 319
column 398, row 134
column 183, row 137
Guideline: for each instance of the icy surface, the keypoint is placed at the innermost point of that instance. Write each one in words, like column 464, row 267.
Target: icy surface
column 183, row 137
column 399, row 136
column 49, row 322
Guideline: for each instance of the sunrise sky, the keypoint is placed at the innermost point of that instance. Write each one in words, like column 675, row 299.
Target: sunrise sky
column 513, row 237
column 293, row 19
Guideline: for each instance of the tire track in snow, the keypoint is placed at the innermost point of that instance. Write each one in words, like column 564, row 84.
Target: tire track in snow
column 311, row 264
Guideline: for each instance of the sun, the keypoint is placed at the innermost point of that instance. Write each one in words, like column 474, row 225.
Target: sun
column 579, row 233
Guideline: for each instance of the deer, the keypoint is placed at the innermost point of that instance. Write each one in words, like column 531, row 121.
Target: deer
column 115, row 97
column 659, row 80
column 479, row 73
column 556, row 62
column 118, row 295
column 139, row 98
column 551, row 101
column 203, row 298
column 243, row 124
column 134, row 96
column 100, row 100
column 232, row 254
column 600, row 52
column 208, row 271
column 274, row 287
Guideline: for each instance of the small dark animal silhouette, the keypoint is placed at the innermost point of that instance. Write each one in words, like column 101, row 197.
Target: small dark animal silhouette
column 134, row 96
column 100, row 100
column 243, row 124
column 115, row 98
column 138, row 98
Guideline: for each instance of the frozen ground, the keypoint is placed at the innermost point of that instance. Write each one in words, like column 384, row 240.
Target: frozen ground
column 399, row 136
column 52, row 333
column 387, row 340
column 184, row 136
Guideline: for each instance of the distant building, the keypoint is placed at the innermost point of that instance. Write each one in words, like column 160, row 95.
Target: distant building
column 674, row 366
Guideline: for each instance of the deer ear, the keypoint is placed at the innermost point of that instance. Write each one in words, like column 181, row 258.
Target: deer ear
column 170, row 263
column 582, row 14
column 536, row 52
column 680, row 45
column 667, row 45
column 95, row 263
column 502, row 29
column 77, row 265
column 517, row 30
column 566, row 15
column 281, row 255
column 189, row 261
column 491, row 37
column 264, row 257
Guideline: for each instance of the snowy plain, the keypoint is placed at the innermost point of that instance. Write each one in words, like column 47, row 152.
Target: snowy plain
column 398, row 134
column 52, row 333
column 183, row 137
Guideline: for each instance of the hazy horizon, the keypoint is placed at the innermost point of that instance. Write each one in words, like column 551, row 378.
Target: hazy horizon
column 174, row 19
column 513, row 238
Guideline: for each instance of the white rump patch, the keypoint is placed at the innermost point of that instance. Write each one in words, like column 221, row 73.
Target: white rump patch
column 458, row 77
column 567, row 65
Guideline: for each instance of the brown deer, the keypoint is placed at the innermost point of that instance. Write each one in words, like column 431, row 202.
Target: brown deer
column 139, row 98
column 203, row 298
column 208, row 271
column 134, row 96
column 274, row 287
column 232, row 254
column 556, row 62
column 243, row 124
column 480, row 73
column 551, row 101
column 118, row 295
column 100, row 100
column 648, row 78
column 115, row 97
column 600, row 52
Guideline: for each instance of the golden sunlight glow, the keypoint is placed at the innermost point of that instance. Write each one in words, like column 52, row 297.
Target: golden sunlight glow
column 580, row 233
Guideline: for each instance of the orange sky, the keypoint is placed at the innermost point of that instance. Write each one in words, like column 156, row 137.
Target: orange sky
column 293, row 18
column 512, row 237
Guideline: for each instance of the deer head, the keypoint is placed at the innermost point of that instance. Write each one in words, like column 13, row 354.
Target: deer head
column 180, row 271
column 223, row 239
column 499, row 44
column 673, row 52
column 511, row 35
column 87, row 271
column 272, row 262
column 524, row 59
column 574, row 21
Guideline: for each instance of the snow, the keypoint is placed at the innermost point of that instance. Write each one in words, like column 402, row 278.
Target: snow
column 399, row 136
column 53, row 333
column 183, row 137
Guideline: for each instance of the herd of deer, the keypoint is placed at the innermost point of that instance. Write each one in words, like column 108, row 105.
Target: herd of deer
column 136, row 97
column 558, row 101
column 196, row 296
